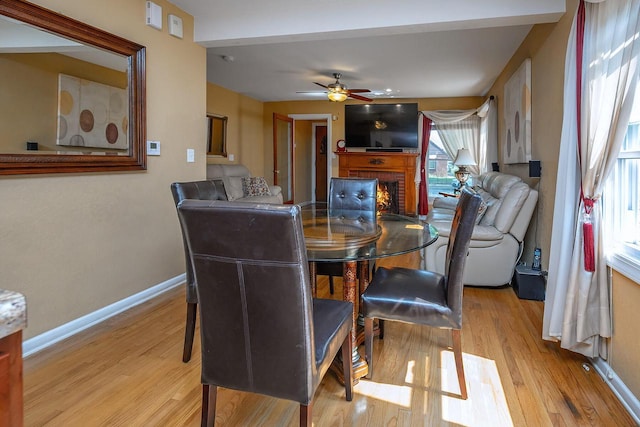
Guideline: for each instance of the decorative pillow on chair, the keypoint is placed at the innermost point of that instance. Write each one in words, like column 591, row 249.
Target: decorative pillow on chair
column 255, row 186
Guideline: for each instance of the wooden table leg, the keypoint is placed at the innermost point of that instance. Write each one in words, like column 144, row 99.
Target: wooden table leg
column 350, row 293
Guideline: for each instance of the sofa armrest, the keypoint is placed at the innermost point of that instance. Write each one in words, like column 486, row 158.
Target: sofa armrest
column 275, row 190
column 486, row 233
column 480, row 232
column 445, row 203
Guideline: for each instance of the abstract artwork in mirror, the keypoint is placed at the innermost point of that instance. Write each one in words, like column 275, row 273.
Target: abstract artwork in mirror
column 216, row 135
column 37, row 47
column 91, row 114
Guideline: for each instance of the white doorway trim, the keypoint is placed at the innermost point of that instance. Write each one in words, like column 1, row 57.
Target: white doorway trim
column 327, row 118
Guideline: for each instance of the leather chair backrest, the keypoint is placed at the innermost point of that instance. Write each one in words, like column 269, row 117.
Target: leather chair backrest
column 198, row 190
column 254, row 293
column 458, row 248
column 355, row 195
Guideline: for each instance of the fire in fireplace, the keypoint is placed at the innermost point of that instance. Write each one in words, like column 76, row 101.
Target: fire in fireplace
column 387, row 197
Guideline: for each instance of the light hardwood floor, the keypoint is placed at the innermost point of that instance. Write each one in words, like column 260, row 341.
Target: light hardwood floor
column 128, row 371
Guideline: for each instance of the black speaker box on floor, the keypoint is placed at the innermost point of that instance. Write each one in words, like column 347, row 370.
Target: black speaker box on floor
column 528, row 283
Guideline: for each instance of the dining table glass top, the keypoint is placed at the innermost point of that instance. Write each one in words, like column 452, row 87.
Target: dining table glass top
column 347, row 235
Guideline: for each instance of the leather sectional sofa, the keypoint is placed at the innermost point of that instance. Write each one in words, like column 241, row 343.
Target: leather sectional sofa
column 497, row 241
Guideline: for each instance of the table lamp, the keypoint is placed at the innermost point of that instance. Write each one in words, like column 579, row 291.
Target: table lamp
column 462, row 160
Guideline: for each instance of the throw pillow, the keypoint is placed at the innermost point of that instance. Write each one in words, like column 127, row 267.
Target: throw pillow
column 255, row 186
column 483, row 205
column 233, row 187
column 481, row 211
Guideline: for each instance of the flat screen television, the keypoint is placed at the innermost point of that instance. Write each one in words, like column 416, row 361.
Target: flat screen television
column 381, row 126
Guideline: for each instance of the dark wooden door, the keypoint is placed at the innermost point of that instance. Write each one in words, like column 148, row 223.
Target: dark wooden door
column 322, row 147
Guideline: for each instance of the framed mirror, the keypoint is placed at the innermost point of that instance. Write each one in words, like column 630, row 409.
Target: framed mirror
column 72, row 96
column 216, row 135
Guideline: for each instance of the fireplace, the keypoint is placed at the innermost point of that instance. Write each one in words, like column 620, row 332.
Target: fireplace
column 387, row 167
column 387, row 197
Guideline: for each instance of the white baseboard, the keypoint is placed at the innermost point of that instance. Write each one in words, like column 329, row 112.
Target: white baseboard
column 46, row 339
column 627, row 398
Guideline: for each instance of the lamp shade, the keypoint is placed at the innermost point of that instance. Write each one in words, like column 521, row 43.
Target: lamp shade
column 464, row 158
column 336, row 96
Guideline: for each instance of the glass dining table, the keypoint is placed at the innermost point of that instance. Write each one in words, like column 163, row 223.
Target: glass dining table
column 356, row 238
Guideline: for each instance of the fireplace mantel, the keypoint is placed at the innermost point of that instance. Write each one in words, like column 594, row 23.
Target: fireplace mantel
column 385, row 167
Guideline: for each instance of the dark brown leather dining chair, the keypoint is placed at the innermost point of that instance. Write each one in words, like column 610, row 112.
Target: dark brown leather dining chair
column 261, row 331
column 199, row 190
column 424, row 297
column 355, row 195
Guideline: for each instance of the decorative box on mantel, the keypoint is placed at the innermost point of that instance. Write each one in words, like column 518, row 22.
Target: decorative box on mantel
column 400, row 167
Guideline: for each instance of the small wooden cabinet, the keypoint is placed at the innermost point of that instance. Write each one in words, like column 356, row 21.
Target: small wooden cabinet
column 13, row 319
column 399, row 167
column 11, row 410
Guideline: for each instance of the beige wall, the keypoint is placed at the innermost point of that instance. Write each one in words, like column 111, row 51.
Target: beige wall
column 546, row 46
column 75, row 243
column 625, row 345
column 244, row 127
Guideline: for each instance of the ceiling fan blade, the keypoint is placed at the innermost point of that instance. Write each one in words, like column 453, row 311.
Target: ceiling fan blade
column 320, row 84
column 359, row 90
column 361, row 98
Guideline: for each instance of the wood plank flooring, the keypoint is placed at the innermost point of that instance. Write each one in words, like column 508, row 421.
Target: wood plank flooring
column 128, row 371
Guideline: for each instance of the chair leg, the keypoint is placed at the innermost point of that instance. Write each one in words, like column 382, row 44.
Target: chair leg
column 456, row 335
column 209, row 395
column 347, row 366
column 368, row 344
column 305, row 415
column 190, row 330
column 331, row 285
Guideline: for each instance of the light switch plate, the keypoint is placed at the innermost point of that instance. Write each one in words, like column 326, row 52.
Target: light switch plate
column 191, row 155
column 153, row 148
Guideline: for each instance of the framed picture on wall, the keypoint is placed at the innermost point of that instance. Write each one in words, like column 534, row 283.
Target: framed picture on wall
column 517, row 116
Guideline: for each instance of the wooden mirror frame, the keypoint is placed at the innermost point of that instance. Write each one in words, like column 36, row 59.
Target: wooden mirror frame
column 52, row 22
column 213, row 136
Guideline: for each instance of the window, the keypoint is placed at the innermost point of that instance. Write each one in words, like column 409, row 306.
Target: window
column 440, row 169
column 622, row 196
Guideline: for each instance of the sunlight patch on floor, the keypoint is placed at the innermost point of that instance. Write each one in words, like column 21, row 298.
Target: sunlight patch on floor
column 486, row 404
column 398, row 395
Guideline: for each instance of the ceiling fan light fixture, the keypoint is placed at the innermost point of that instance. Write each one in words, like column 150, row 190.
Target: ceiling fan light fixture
column 336, row 96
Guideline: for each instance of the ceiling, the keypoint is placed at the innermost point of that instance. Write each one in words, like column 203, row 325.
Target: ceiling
column 269, row 51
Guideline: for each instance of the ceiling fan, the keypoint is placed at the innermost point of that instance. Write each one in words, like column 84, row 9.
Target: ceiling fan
column 338, row 92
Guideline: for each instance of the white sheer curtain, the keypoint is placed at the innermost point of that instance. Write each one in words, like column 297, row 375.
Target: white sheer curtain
column 577, row 308
column 488, row 148
column 473, row 129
